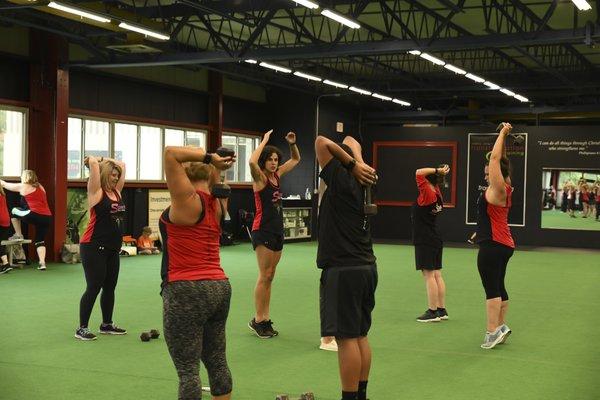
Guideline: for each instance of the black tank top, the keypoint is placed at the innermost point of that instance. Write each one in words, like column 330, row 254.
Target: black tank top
column 269, row 213
column 106, row 223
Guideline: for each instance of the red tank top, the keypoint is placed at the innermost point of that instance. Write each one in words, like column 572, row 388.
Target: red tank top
column 191, row 253
column 499, row 220
column 4, row 218
column 37, row 201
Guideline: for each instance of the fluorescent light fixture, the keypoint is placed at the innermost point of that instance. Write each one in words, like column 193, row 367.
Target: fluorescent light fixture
column 275, row 67
column 251, row 61
column 143, row 31
column 340, row 18
column 361, row 91
column 491, row 85
column 433, row 59
column 307, row 4
column 415, row 52
column 336, row 84
column 401, row 102
column 307, row 76
column 508, row 92
column 77, row 11
column 521, row 98
column 582, row 5
column 382, row 97
column 455, row 69
column 475, row 78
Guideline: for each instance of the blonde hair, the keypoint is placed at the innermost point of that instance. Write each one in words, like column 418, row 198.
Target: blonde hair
column 106, row 169
column 146, row 231
column 29, row 177
column 197, row 171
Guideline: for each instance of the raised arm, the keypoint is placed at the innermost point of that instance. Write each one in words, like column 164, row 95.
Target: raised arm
column 121, row 164
column 13, row 187
column 94, row 187
column 497, row 188
column 327, row 149
column 430, row 171
column 257, row 174
column 294, row 155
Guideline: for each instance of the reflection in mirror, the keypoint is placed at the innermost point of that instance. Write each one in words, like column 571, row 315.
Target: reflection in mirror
column 570, row 199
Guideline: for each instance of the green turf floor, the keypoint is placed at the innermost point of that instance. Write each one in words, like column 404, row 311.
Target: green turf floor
column 554, row 352
column 555, row 219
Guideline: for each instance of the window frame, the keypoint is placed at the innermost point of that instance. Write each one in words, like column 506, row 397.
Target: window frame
column 16, row 107
column 243, row 133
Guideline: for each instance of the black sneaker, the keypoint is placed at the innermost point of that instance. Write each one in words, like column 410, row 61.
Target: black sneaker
column 111, row 329
column 442, row 314
column 263, row 329
column 429, row 316
column 5, row 269
column 84, row 334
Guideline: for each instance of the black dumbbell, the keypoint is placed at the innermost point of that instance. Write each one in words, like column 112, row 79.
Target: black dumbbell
column 517, row 139
column 146, row 336
column 222, row 190
column 369, row 208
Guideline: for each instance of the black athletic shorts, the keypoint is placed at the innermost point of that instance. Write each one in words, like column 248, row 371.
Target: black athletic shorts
column 271, row 241
column 492, row 260
column 428, row 257
column 347, row 298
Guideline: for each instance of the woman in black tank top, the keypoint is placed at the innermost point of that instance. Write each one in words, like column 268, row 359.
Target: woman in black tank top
column 267, row 230
column 101, row 243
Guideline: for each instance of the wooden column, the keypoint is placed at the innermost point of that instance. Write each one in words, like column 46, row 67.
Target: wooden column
column 215, row 109
column 48, row 116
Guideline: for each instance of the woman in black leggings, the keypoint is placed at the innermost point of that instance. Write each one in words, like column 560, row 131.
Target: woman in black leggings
column 101, row 243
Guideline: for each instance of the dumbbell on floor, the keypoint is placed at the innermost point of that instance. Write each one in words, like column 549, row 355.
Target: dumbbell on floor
column 303, row 396
column 146, row 336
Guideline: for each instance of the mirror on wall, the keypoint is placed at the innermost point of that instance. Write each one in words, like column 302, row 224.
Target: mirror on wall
column 571, row 199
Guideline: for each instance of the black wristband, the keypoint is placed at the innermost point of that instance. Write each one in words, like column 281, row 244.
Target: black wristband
column 436, row 171
column 293, row 144
column 350, row 165
column 101, row 159
column 207, row 158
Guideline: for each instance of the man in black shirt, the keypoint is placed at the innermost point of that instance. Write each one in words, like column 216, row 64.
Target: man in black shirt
column 345, row 254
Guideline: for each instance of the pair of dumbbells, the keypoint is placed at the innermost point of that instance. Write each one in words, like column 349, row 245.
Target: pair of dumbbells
column 222, row 190
column 303, row 396
column 146, row 336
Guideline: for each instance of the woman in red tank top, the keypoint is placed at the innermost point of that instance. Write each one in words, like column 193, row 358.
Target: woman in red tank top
column 34, row 211
column 4, row 231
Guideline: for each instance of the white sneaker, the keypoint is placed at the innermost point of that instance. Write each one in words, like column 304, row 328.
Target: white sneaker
column 16, row 237
column 331, row 346
column 492, row 339
column 42, row 267
column 20, row 212
column 506, row 331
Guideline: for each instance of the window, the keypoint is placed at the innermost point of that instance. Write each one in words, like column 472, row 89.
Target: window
column 243, row 147
column 140, row 147
column 12, row 138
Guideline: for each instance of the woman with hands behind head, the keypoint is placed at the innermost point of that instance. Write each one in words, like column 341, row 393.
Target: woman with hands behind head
column 267, row 229
column 196, row 292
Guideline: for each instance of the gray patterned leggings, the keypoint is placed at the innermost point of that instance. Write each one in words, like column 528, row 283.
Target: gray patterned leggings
column 194, row 316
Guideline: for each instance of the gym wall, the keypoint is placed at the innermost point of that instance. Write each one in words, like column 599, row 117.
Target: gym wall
column 394, row 223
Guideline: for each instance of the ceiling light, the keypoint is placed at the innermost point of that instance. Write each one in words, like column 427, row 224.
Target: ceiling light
column 401, row 102
column 336, row 84
column 382, row 97
column 143, row 31
column 433, row 59
column 491, row 85
column 508, row 92
column 521, row 98
column 307, row 4
column 455, row 69
column 361, row 91
column 414, row 52
column 340, row 18
column 76, row 11
column 475, row 78
column 251, row 61
column 307, row 76
column 275, row 67
column 582, row 5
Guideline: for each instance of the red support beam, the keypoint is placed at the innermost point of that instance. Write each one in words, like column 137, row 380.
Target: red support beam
column 215, row 109
column 48, row 116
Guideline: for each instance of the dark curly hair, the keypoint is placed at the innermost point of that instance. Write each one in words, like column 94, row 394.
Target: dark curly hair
column 266, row 153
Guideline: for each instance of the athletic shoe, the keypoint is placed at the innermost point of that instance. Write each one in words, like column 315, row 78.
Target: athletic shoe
column 5, row 269
column 16, row 237
column 111, row 329
column 84, row 334
column 429, row 316
column 331, row 346
column 442, row 314
column 20, row 212
column 42, row 267
column 263, row 329
column 492, row 339
column 506, row 331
